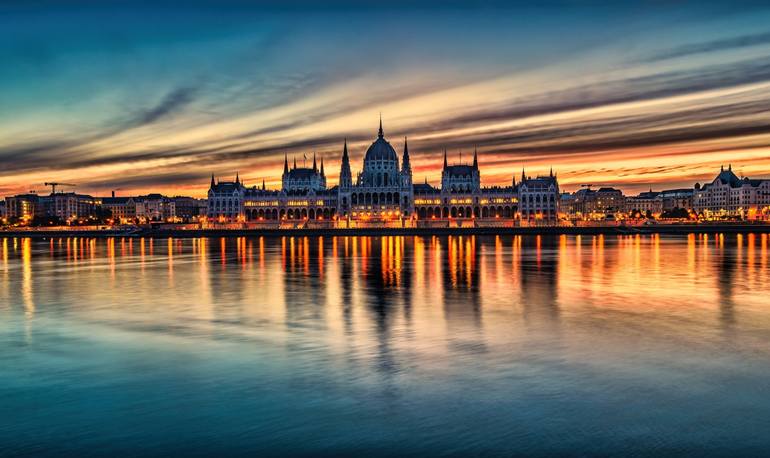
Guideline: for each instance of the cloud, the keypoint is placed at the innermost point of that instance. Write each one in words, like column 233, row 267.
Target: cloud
column 173, row 102
column 724, row 44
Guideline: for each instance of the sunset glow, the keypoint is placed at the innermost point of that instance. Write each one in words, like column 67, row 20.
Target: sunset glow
column 157, row 98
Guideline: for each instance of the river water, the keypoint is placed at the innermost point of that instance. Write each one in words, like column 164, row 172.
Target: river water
column 509, row 345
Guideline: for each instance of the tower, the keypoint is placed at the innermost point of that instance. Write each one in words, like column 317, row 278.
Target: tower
column 406, row 167
column 346, row 178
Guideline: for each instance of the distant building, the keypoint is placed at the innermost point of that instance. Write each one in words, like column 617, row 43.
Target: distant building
column 676, row 198
column 69, row 206
column 3, row 213
column 188, row 208
column 462, row 196
column 539, row 197
column 298, row 180
column 382, row 191
column 66, row 206
column 155, row 207
column 24, row 206
column 123, row 209
column 588, row 203
column 646, row 203
column 730, row 196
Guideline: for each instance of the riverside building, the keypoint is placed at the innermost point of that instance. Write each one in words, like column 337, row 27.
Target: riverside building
column 730, row 196
column 382, row 193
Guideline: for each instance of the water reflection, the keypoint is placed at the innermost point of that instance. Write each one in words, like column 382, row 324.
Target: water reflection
column 391, row 322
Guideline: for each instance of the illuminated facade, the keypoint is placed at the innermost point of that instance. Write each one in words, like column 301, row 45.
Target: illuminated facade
column 539, row 197
column 382, row 192
column 730, row 196
column 66, row 206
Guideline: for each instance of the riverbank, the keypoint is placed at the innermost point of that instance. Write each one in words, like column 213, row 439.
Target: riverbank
column 672, row 229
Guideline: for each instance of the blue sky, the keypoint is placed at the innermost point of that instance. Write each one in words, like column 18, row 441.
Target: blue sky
column 143, row 96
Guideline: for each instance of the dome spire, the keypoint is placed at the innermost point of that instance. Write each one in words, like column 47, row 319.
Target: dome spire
column 380, row 134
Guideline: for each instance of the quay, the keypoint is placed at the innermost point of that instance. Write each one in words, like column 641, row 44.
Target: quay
column 169, row 231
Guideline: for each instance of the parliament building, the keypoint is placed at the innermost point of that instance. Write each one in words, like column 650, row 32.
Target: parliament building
column 383, row 193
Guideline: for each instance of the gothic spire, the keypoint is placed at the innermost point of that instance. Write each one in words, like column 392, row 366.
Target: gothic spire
column 406, row 166
column 380, row 134
column 346, row 178
column 263, row 184
column 475, row 159
column 523, row 177
column 285, row 163
column 295, row 162
column 550, row 174
column 445, row 162
column 237, row 179
column 315, row 167
column 212, row 180
column 322, row 166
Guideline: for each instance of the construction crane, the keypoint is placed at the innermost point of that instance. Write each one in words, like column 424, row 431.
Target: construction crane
column 54, row 184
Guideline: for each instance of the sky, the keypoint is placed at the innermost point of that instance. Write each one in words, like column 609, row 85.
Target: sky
column 142, row 97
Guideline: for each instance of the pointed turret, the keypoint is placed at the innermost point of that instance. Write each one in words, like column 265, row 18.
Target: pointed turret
column 212, row 180
column 263, row 184
column 295, row 163
column 315, row 166
column 523, row 177
column 445, row 161
column 285, row 164
column 406, row 165
column 475, row 159
column 380, row 133
column 346, row 178
column 322, row 166
column 237, row 179
column 550, row 173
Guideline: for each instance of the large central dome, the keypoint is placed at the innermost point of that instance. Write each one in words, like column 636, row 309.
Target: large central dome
column 381, row 150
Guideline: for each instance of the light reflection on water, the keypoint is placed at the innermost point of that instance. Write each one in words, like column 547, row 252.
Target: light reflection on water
column 304, row 345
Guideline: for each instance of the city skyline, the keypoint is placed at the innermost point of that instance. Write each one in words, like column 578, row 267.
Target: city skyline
column 156, row 98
